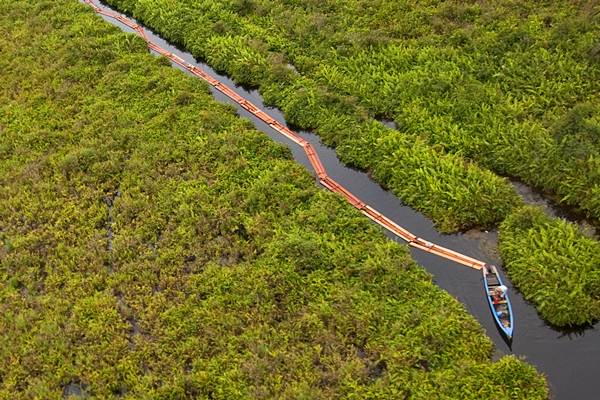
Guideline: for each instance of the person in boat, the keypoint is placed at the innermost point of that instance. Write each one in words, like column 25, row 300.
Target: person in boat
column 499, row 294
column 501, row 311
column 502, row 290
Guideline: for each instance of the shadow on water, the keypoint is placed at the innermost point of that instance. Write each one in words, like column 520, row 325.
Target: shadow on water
column 536, row 197
column 569, row 358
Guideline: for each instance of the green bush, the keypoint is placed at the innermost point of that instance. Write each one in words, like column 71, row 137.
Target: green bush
column 554, row 265
column 349, row 70
column 153, row 245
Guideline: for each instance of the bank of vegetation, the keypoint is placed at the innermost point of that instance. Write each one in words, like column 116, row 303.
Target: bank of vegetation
column 472, row 87
column 288, row 50
column 512, row 87
column 554, row 264
column 154, row 245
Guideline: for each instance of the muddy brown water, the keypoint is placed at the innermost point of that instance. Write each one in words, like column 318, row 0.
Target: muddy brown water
column 569, row 359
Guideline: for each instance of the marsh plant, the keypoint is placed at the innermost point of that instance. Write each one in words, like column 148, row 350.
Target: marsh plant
column 154, row 245
column 477, row 90
column 555, row 265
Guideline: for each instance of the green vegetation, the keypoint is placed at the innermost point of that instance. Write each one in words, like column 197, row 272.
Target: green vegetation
column 509, row 86
column 153, row 245
column 493, row 82
column 294, row 52
column 556, row 266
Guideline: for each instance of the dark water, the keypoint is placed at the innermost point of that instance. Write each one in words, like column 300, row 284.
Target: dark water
column 571, row 361
column 74, row 390
column 533, row 196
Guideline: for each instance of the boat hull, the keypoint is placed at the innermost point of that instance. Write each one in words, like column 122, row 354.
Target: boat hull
column 501, row 310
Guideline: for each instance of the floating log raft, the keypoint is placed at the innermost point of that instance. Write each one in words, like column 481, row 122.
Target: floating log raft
column 314, row 159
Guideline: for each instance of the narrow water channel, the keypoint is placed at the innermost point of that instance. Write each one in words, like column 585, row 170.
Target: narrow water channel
column 570, row 360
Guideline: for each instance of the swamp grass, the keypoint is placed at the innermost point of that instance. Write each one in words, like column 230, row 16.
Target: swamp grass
column 292, row 71
column 472, row 87
column 152, row 244
column 513, row 88
column 554, row 265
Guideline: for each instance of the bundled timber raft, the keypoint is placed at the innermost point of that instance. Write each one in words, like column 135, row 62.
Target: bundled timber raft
column 315, row 161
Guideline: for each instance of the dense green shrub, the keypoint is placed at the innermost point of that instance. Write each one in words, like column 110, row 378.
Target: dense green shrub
column 494, row 83
column 343, row 75
column 153, row 245
column 554, row 265
column 505, row 86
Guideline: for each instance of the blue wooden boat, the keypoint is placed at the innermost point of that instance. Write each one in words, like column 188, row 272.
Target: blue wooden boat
column 499, row 303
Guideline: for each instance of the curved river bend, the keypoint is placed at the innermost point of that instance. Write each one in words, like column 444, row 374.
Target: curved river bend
column 569, row 359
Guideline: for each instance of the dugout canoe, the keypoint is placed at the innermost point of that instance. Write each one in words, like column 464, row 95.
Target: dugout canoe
column 499, row 305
